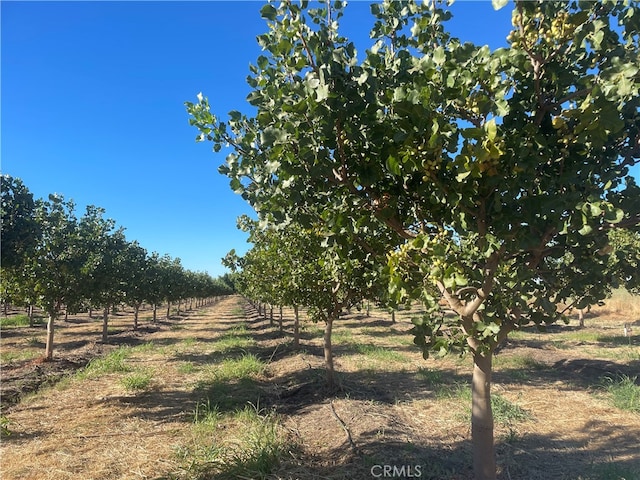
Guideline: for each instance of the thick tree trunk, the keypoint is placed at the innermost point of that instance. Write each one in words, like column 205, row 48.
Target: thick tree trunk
column 168, row 309
column 393, row 316
column 581, row 317
column 328, row 355
column 296, row 328
column 155, row 312
column 50, row 328
column 105, row 324
column 484, row 462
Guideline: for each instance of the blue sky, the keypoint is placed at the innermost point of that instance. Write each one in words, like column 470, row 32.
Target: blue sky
column 93, row 108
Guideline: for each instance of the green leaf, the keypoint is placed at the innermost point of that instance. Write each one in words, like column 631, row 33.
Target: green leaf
column 585, row 230
column 614, row 215
column 461, row 176
column 491, row 128
column 439, row 56
column 268, row 12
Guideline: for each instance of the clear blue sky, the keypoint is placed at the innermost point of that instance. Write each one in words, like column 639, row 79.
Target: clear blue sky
column 93, row 108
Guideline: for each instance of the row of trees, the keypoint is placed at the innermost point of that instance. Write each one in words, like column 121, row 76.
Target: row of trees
column 53, row 260
column 495, row 181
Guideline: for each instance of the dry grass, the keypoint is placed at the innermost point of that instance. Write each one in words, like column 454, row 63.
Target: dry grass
column 229, row 398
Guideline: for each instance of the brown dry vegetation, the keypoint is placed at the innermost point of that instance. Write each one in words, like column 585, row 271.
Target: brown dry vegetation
column 206, row 394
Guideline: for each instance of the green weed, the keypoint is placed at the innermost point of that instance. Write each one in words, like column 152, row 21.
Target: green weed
column 380, row 353
column 16, row 356
column 186, row 368
column 624, row 392
column 206, row 413
column 137, row 381
column 5, row 431
column 237, row 338
column 246, row 366
column 112, row 363
column 19, row 321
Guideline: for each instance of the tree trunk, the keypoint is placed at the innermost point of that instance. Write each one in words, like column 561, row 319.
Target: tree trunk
column 271, row 315
column 296, row 328
column 155, row 312
column 66, row 315
column 31, row 315
column 484, row 461
column 135, row 316
column 105, row 324
column 581, row 317
column 50, row 329
column 168, row 309
column 328, row 355
column 280, row 320
column 393, row 316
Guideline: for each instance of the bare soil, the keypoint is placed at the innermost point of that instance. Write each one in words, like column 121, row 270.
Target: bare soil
column 397, row 413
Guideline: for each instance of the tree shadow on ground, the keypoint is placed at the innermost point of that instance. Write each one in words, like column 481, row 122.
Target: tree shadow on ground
column 568, row 374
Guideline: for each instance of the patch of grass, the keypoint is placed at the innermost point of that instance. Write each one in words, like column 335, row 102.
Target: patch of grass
column 624, row 392
column 341, row 336
column 207, row 413
column 5, row 431
column 144, row 348
column 237, row 338
column 34, row 342
column 238, row 312
column 255, row 445
column 16, row 356
column 137, row 381
column 189, row 342
column 111, row 363
column 19, row 321
column 186, row 368
column 432, row 377
column 246, row 366
column 518, row 361
column 505, row 412
column 611, row 471
column 380, row 353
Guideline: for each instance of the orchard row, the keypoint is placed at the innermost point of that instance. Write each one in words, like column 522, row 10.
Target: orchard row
column 54, row 260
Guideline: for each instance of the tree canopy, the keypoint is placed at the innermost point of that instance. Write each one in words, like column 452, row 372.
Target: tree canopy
column 502, row 172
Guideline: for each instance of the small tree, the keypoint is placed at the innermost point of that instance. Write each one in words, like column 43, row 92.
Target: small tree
column 501, row 170
column 297, row 266
column 55, row 268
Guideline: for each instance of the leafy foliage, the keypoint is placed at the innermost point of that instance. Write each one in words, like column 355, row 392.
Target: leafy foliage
column 501, row 173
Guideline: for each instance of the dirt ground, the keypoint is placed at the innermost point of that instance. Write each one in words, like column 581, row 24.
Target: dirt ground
column 396, row 410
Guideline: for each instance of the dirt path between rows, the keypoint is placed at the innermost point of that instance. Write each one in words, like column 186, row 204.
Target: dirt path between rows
column 95, row 429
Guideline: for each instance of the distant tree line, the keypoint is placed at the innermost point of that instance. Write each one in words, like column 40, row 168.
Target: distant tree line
column 53, row 260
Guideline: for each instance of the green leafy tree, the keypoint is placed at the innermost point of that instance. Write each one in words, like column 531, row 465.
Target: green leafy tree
column 56, row 266
column 20, row 230
column 502, row 171
column 296, row 266
column 135, row 284
column 104, row 273
column 19, row 236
